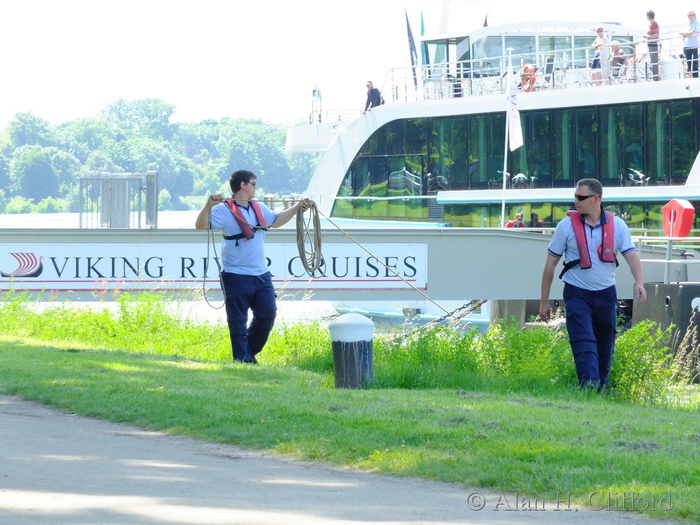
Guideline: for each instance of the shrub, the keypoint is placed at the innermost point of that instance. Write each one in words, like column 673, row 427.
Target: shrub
column 19, row 204
column 641, row 370
column 49, row 205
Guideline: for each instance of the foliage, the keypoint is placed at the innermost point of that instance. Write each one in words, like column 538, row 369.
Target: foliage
column 49, row 205
column 165, row 201
column 142, row 323
column 305, row 346
column 38, row 160
column 641, row 370
column 19, row 205
column 26, row 129
column 535, row 359
column 33, row 174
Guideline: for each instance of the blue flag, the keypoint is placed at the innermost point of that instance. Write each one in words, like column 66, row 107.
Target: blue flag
column 414, row 53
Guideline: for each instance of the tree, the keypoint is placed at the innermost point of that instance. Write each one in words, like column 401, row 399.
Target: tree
column 148, row 118
column 5, row 180
column 65, row 165
column 28, row 130
column 32, row 173
column 82, row 137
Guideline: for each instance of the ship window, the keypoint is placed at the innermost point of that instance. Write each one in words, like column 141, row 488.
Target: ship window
column 583, row 55
column 609, row 131
column 522, row 45
column 489, row 47
column 563, row 149
column 658, row 159
column 395, row 138
column 631, row 139
column 585, row 143
column 539, row 128
column 554, row 43
column 683, row 134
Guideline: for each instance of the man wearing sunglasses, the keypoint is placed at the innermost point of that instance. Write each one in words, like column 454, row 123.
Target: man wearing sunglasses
column 590, row 296
column 246, row 281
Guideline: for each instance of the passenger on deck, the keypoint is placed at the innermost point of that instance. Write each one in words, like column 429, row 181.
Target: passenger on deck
column 690, row 44
column 652, row 39
column 619, row 60
column 374, row 97
column 517, row 223
column 602, row 47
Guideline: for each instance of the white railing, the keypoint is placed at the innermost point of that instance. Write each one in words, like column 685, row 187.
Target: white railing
column 560, row 69
column 684, row 249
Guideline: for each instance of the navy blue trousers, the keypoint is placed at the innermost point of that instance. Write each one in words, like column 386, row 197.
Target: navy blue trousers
column 257, row 294
column 591, row 319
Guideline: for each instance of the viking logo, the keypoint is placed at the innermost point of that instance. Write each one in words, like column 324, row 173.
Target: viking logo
column 28, row 266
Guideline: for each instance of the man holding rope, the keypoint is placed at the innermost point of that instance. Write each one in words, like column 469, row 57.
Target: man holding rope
column 246, row 281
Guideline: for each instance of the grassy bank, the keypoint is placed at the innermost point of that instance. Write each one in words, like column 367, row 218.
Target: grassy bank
column 497, row 411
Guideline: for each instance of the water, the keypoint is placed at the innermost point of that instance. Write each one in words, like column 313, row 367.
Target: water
column 288, row 312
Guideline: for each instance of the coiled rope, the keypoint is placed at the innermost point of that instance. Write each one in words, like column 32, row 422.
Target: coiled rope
column 309, row 247
column 312, row 259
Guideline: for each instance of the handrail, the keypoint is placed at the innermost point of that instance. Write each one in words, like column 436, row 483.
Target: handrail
column 486, row 76
column 686, row 251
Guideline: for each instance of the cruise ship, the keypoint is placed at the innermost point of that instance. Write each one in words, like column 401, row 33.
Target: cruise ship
column 435, row 152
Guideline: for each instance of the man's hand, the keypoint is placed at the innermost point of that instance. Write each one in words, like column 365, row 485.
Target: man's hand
column 545, row 311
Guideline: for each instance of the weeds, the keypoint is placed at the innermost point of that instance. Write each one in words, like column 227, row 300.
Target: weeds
column 504, row 359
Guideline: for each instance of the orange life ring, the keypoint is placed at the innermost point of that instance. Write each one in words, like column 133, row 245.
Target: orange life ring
column 527, row 80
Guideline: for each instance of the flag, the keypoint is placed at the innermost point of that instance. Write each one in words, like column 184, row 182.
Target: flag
column 422, row 33
column 515, row 130
column 486, row 20
column 414, row 53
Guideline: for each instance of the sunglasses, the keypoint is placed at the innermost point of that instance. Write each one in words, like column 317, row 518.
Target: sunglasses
column 582, row 197
column 253, row 183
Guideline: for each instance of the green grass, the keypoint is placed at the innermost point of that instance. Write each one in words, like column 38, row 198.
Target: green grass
column 499, row 411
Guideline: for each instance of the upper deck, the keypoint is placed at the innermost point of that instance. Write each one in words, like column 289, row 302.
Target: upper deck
column 558, row 56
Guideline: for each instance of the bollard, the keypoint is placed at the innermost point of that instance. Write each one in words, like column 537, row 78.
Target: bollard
column 351, row 337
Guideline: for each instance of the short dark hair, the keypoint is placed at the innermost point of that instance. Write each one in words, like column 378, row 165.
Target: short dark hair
column 593, row 184
column 240, row 176
column 651, row 14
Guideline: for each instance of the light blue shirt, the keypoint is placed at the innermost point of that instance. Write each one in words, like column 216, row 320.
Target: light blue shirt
column 692, row 41
column 600, row 275
column 248, row 258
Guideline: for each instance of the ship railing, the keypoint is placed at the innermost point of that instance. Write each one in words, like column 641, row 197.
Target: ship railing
column 333, row 115
column 679, row 251
column 557, row 69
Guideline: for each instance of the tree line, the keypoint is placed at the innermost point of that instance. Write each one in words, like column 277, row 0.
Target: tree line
column 41, row 164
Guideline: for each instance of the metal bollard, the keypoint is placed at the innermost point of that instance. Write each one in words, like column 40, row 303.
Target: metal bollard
column 351, row 338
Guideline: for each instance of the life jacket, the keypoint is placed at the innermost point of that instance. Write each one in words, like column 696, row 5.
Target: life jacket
column 606, row 251
column 247, row 232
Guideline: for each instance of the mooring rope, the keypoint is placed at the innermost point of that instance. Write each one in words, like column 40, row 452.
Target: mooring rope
column 312, row 259
column 309, row 247
column 428, row 298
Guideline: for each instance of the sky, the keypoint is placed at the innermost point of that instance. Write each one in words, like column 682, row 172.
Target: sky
column 69, row 59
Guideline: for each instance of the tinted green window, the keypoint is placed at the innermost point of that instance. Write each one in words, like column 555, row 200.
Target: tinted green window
column 422, row 156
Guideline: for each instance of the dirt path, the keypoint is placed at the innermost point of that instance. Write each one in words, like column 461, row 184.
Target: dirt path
column 61, row 469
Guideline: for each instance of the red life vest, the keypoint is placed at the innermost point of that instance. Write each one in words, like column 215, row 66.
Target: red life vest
column 606, row 251
column 248, row 232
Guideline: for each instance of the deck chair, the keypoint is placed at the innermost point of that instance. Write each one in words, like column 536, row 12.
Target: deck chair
column 546, row 79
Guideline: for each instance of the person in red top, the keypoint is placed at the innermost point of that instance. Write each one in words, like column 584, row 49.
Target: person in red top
column 652, row 38
column 517, row 223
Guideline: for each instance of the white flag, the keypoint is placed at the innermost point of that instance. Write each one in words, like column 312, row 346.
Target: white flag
column 515, row 130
